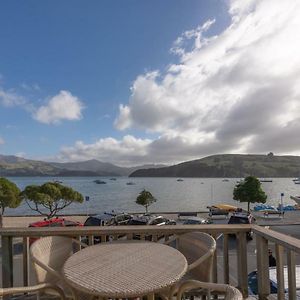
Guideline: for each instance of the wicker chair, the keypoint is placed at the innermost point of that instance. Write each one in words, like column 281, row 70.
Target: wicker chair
column 229, row 292
column 32, row 289
column 48, row 255
column 199, row 249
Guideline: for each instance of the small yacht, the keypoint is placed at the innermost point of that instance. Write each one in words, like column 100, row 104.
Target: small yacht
column 130, row 183
column 265, row 180
column 98, row 181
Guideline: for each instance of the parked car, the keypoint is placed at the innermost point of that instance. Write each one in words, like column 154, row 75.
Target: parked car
column 253, row 286
column 242, row 218
column 149, row 220
column 160, row 220
column 121, row 219
column 194, row 221
column 112, row 218
column 108, row 219
column 102, row 219
column 54, row 222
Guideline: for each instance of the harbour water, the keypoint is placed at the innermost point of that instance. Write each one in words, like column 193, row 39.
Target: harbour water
column 191, row 194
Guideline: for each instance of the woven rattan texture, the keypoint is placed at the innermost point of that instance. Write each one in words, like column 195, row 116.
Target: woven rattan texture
column 125, row 269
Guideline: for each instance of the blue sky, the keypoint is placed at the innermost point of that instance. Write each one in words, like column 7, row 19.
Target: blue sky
column 117, row 80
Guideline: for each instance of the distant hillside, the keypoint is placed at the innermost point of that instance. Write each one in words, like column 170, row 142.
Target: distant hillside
column 229, row 165
column 17, row 166
column 93, row 166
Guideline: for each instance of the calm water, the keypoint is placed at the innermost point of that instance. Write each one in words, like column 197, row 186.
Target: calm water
column 191, row 194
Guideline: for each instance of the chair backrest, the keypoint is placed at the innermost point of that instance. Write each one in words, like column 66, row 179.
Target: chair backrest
column 50, row 253
column 199, row 249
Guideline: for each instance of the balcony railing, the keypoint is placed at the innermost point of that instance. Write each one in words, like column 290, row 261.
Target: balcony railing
column 230, row 258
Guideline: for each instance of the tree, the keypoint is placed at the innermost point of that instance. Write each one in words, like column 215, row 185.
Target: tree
column 51, row 197
column 9, row 196
column 249, row 191
column 145, row 198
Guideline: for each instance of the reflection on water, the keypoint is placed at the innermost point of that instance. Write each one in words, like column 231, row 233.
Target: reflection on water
column 191, row 194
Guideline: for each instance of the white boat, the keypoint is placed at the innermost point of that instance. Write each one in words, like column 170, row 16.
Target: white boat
column 296, row 199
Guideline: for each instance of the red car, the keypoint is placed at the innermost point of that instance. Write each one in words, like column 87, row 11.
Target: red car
column 54, row 222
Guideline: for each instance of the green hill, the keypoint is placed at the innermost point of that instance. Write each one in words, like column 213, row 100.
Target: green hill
column 229, row 165
column 16, row 166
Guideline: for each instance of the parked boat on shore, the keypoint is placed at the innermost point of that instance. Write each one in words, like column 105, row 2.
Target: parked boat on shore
column 265, row 208
column 296, row 199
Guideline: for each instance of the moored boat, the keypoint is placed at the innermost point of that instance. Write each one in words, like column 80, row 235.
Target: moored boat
column 98, row 181
column 265, row 180
column 130, row 183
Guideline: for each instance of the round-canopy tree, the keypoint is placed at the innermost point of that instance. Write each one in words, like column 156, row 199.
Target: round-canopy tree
column 145, row 198
column 249, row 191
column 51, row 197
column 9, row 196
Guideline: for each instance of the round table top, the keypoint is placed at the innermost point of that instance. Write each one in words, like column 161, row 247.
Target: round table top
column 124, row 269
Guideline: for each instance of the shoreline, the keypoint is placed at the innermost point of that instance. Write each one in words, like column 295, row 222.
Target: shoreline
column 289, row 218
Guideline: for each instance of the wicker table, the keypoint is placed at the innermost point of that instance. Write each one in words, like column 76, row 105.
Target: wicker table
column 124, row 269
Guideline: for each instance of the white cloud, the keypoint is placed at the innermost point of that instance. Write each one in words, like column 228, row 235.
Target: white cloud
column 21, row 154
column 63, row 106
column 10, row 98
column 32, row 87
column 125, row 151
column 235, row 92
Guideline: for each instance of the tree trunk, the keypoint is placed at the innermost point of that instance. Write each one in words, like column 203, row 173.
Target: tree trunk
column 146, row 209
column 248, row 206
column 1, row 220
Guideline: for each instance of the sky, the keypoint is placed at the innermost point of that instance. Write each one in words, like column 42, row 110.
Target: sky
column 135, row 82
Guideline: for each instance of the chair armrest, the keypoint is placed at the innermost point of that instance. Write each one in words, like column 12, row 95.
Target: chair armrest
column 223, row 289
column 48, row 268
column 34, row 288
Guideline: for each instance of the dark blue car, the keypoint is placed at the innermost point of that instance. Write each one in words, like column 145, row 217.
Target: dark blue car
column 253, row 286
